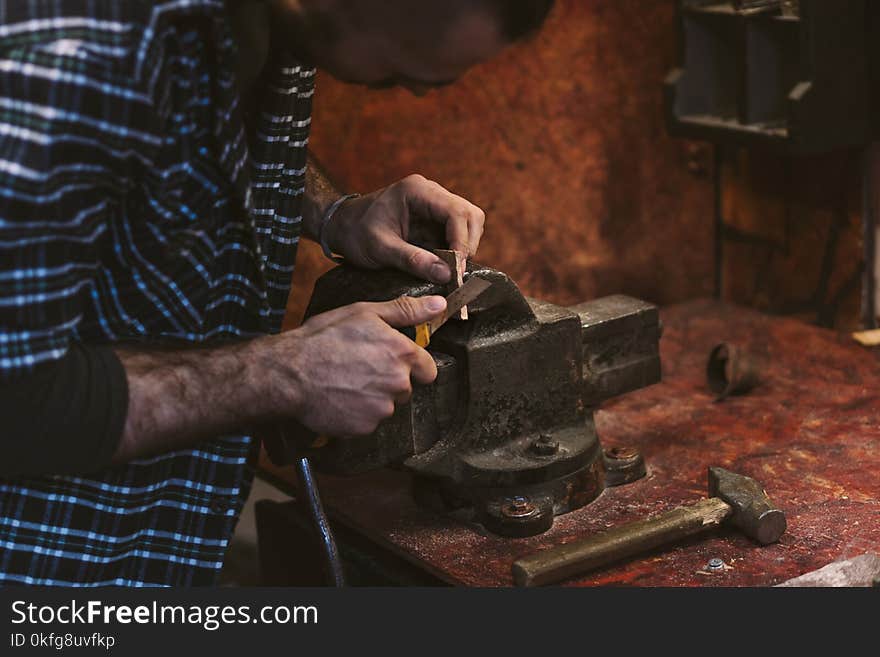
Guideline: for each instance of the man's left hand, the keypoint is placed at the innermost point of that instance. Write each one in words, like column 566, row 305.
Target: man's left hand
column 371, row 231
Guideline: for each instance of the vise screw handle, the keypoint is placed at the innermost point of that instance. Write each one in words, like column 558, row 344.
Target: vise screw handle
column 292, row 443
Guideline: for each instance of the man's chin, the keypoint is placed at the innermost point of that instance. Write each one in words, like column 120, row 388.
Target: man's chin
column 376, row 85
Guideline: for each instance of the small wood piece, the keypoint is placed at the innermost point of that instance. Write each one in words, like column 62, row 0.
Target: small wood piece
column 868, row 338
column 457, row 263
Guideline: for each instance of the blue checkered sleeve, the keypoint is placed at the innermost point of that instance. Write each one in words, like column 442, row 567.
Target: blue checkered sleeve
column 134, row 205
column 73, row 131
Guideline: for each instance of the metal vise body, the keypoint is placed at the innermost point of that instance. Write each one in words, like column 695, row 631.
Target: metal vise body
column 505, row 435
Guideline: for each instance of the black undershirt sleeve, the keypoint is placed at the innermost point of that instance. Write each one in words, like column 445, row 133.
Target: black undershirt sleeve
column 67, row 417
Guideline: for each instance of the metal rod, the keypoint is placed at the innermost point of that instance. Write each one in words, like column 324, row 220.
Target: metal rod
column 313, row 498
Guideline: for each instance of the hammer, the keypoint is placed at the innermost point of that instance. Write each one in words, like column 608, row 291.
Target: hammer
column 734, row 498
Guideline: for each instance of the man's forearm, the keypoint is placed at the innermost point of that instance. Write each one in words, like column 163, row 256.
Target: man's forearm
column 321, row 193
column 178, row 398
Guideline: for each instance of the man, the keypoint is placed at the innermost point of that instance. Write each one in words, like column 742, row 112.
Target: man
column 153, row 187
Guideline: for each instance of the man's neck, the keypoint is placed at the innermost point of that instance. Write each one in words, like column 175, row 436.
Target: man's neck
column 259, row 26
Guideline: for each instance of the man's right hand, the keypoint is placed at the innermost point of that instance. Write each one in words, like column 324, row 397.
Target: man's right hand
column 339, row 374
column 342, row 372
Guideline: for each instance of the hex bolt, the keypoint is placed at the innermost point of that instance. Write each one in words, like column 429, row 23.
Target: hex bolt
column 518, row 507
column 621, row 453
column 545, row 446
column 715, row 564
column 519, row 503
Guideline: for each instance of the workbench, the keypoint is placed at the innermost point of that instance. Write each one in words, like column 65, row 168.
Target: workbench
column 810, row 433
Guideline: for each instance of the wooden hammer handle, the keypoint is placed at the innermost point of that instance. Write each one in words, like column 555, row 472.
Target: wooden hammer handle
column 564, row 561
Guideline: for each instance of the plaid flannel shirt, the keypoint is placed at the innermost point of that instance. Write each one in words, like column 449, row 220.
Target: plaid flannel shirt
column 134, row 204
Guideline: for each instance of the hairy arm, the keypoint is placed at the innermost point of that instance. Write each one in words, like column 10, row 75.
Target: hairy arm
column 177, row 398
column 339, row 374
column 321, row 193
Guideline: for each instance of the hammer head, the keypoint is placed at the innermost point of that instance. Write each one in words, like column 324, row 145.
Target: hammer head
column 752, row 510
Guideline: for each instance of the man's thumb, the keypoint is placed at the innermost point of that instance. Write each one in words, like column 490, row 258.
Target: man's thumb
column 409, row 311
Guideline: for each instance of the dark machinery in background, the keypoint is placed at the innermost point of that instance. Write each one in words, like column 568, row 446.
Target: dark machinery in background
column 505, row 436
column 792, row 74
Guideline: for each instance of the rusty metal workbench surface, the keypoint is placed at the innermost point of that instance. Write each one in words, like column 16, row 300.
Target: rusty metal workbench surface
column 810, row 433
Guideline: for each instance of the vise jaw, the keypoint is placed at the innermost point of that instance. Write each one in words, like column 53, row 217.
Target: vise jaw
column 505, row 435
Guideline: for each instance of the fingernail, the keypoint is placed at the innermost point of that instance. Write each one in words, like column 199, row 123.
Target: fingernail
column 435, row 304
column 440, row 272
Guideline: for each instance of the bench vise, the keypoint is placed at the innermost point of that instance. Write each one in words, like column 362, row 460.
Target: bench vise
column 505, row 435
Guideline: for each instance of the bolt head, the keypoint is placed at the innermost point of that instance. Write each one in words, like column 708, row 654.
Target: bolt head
column 518, row 507
column 621, row 453
column 545, row 446
column 715, row 564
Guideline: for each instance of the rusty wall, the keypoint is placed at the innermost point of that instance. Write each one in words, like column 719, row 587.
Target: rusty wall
column 561, row 140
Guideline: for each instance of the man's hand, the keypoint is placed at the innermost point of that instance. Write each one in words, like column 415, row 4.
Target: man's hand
column 349, row 367
column 372, row 231
column 339, row 374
